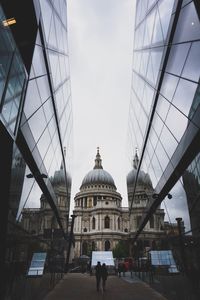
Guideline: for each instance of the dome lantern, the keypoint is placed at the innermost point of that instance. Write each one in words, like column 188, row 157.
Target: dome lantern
column 98, row 160
column 142, row 179
column 98, row 175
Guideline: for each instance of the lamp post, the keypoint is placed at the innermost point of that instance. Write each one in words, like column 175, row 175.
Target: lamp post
column 181, row 243
column 70, row 242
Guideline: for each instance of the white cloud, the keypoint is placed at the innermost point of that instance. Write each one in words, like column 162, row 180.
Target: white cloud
column 100, row 37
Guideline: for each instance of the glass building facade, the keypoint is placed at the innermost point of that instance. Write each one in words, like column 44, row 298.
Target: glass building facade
column 35, row 124
column 164, row 121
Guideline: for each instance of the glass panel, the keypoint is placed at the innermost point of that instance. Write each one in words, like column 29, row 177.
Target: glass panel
column 177, row 206
column 192, row 66
column 59, row 101
column 195, row 104
column 52, row 126
column 38, row 61
column 162, row 156
column 37, row 124
column 177, row 57
column 153, row 137
column 143, row 123
column 150, row 148
column 168, row 141
column 148, row 98
column 141, row 34
column 46, row 16
column 149, row 28
column 156, row 166
column 165, row 10
column 52, row 40
column 168, row 86
column 157, row 33
column 49, row 157
column 176, row 122
column 43, row 143
column 48, row 109
column 191, row 185
column 63, row 67
column 43, row 87
column 33, row 101
column 184, row 95
column 59, row 36
column 152, row 175
column 144, row 62
column 162, row 107
column 188, row 27
column 156, row 55
column 157, row 124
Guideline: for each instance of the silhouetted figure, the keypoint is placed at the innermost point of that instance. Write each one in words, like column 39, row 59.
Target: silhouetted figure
column 120, row 268
column 104, row 275
column 98, row 274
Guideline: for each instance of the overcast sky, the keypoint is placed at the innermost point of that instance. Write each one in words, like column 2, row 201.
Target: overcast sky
column 100, row 39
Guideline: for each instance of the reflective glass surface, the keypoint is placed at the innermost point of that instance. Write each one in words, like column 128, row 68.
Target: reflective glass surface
column 12, row 78
column 177, row 99
column 36, row 109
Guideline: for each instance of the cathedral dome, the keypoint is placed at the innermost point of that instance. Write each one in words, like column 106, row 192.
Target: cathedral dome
column 59, row 178
column 98, row 175
column 143, row 178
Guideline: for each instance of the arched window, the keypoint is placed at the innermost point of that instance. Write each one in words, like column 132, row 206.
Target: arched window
column 93, row 223
column 107, row 222
column 107, row 245
column 90, row 203
column 118, row 222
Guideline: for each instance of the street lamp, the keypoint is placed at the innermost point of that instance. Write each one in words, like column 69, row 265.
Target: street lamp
column 182, row 246
column 70, row 242
column 36, row 175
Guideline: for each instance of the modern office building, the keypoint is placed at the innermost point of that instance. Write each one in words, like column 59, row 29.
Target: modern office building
column 164, row 121
column 35, row 121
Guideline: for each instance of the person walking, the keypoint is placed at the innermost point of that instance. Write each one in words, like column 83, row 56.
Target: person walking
column 104, row 276
column 98, row 274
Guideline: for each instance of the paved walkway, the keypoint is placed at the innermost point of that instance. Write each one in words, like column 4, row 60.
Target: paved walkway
column 77, row 286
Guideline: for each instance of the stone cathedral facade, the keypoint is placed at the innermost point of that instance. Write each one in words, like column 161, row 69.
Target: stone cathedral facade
column 101, row 221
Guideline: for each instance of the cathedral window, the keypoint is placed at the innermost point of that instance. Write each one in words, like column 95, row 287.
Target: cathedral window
column 85, row 229
column 93, row 222
column 107, row 245
column 125, row 230
column 107, row 222
column 90, row 203
column 107, row 202
column 118, row 222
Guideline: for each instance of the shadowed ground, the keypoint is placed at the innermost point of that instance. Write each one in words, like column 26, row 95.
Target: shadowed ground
column 80, row 286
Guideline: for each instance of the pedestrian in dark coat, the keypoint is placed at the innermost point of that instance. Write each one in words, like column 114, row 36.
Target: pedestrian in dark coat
column 98, row 274
column 104, row 275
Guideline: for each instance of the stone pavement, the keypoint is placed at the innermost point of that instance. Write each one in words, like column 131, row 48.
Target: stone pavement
column 78, row 286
